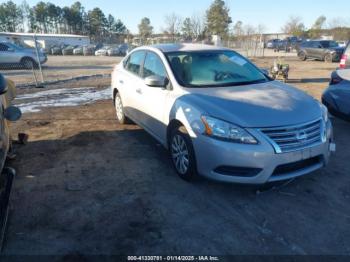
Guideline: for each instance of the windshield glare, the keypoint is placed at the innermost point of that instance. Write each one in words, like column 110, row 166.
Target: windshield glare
column 213, row 69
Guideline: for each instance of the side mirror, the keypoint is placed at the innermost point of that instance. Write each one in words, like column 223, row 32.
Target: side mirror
column 12, row 113
column 3, row 85
column 156, row 81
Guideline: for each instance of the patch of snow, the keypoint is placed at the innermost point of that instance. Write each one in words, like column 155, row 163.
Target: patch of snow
column 64, row 97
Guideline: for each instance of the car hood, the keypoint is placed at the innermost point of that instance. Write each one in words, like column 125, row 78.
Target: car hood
column 268, row 104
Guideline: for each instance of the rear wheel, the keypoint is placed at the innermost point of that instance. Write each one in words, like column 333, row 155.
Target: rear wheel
column 302, row 56
column 182, row 153
column 119, row 109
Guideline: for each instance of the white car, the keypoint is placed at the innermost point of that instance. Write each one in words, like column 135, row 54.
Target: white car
column 102, row 52
column 342, row 43
column 220, row 116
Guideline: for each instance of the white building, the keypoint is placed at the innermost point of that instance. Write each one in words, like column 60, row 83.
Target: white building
column 45, row 40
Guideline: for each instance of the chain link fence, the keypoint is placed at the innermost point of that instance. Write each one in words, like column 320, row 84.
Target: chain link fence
column 256, row 46
column 22, row 63
column 32, row 63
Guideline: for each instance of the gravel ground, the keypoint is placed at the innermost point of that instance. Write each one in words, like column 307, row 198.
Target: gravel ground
column 86, row 185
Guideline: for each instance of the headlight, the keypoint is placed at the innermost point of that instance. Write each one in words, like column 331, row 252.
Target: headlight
column 324, row 113
column 223, row 130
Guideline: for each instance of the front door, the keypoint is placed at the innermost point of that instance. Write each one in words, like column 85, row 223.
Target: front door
column 7, row 54
column 154, row 98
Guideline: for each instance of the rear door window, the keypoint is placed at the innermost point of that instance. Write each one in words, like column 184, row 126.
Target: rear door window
column 134, row 62
column 315, row 44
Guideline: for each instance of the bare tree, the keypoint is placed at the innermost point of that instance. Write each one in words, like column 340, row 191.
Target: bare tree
column 198, row 25
column 173, row 24
column 249, row 30
column 294, row 26
column 338, row 22
column 238, row 29
column 261, row 28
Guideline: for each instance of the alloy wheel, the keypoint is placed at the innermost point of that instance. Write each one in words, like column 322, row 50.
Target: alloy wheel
column 119, row 108
column 180, row 155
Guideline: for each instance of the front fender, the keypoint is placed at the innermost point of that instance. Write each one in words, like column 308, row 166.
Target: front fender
column 189, row 114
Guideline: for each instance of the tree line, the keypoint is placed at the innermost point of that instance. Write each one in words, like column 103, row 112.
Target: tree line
column 336, row 27
column 46, row 17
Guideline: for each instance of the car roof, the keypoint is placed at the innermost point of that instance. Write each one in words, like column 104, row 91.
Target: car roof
column 166, row 48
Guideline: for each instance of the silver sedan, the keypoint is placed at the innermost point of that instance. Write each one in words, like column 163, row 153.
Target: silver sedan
column 220, row 116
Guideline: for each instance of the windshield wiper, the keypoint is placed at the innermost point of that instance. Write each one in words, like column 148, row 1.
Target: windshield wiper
column 246, row 83
column 230, row 84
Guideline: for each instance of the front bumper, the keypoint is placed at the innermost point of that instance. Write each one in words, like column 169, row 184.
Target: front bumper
column 43, row 59
column 212, row 154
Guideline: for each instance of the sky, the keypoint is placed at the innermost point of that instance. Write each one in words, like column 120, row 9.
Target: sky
column 271, row 13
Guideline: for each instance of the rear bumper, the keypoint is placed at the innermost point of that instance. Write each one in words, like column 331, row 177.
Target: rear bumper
column 333, row 108
column 256, row 164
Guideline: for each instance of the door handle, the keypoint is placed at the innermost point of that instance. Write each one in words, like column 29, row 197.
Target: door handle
column 139, row 91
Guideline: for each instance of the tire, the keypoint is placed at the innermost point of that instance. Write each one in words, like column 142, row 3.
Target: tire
column 119, row 109
column 328, row 58
column 29, row 63
column 302, row 56
column 182, row 154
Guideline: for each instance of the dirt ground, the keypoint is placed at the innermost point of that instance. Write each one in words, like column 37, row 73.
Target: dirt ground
column 65, row 67
column 86, row 185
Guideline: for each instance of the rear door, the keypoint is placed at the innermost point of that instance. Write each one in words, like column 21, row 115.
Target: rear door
column 315, row 49
column 323, row 49
column 130, row 82
column 306, row 47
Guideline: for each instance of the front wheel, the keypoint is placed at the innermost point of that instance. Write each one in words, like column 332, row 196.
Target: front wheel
column 328, row 58
column 302, row 56
column 29, row 63
column 182, row 154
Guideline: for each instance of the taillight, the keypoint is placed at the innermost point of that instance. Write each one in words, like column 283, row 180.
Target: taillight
column 343, row 61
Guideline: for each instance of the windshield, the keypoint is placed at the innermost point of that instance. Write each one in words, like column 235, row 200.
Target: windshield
column 213, row 69
column 327, row 44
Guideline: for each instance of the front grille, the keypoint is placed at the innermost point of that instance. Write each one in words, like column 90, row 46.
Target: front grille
column 287, row 139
